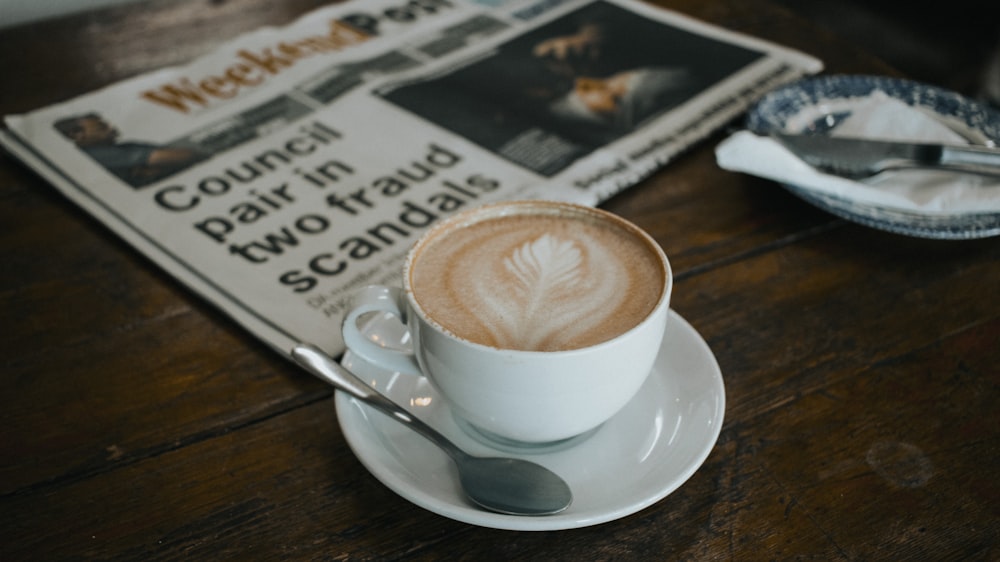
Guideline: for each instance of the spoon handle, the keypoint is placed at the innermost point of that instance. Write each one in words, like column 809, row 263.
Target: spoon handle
column 320, row 364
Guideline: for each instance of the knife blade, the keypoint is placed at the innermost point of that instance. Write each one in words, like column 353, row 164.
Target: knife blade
column 857, row 157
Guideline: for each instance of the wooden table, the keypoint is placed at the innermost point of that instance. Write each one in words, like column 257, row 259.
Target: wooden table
column 861, row 367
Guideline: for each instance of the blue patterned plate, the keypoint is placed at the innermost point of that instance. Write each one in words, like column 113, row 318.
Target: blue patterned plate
column 819, row 104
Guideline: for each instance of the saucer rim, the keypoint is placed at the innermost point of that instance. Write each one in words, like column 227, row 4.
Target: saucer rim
column 353, row 419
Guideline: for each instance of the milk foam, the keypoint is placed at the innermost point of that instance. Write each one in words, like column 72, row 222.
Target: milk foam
column 537, row 282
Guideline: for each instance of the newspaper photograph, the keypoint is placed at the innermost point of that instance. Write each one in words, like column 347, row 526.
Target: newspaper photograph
column 294, row 165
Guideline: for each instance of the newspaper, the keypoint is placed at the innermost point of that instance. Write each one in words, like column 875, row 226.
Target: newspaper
column 293, row 165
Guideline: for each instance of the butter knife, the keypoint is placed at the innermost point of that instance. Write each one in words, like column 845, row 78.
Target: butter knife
column 858, row 158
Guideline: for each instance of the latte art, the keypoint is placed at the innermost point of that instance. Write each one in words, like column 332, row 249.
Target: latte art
column 540, row 306
column 537, row 282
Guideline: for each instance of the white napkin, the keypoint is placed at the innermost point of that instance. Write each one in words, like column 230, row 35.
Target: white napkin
column 877, row 116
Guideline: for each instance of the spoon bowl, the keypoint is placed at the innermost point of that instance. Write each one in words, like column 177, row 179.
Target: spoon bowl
column 499, row 484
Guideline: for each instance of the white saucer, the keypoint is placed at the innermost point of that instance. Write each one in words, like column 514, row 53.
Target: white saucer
column 645, row 452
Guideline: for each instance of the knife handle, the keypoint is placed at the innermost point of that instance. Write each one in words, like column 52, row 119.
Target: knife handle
column 971, row 159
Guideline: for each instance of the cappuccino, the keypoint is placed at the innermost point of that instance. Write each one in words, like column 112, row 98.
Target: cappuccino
column 537, row 276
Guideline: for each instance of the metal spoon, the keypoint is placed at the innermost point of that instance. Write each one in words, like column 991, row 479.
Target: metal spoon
column 504, row 485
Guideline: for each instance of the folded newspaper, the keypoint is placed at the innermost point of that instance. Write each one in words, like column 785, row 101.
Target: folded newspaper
column 293, row 165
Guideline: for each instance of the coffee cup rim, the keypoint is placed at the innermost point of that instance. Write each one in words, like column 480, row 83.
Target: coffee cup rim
column 496, row 209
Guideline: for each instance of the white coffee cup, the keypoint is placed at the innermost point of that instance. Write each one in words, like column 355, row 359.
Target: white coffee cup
column 513, row 374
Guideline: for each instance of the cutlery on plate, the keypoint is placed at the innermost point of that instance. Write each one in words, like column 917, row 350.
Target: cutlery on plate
column 503, row 485
column 859, row 158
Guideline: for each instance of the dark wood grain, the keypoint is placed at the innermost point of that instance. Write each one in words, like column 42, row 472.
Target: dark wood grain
column 136, row 421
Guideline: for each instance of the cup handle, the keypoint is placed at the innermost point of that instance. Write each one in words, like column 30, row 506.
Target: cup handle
column 377, row 298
